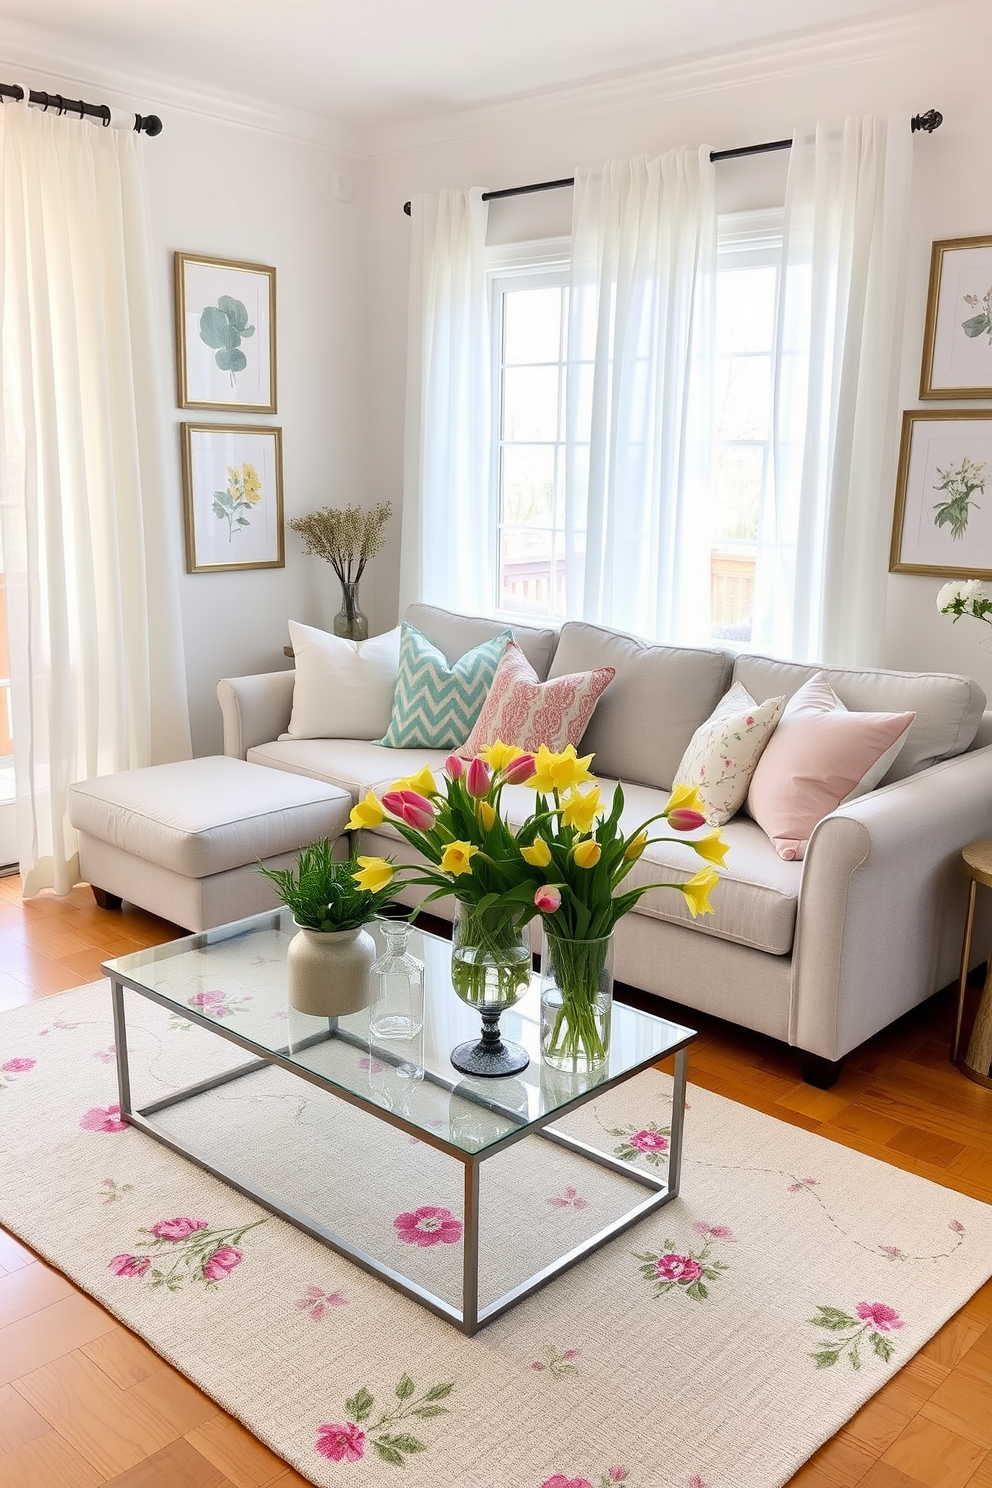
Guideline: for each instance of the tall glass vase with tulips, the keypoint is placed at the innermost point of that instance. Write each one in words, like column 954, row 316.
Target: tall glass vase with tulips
column 566, row 862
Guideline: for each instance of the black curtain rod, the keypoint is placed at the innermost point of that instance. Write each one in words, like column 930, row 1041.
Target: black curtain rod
column 149, row 124
column 928, row 122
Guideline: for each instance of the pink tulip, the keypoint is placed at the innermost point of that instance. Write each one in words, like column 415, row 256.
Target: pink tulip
column 684, row 820
column 478, row 778
column 410, row 807
column 454, row 768
column 547, row 899
column 519, row 769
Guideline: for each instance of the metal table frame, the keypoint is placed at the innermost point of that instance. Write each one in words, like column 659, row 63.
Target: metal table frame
column 470, row 1317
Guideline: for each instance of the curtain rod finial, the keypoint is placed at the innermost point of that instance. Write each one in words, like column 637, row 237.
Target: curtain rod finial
column 928, row 122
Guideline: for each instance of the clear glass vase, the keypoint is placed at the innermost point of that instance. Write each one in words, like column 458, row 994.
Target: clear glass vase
column 349, row 622
column 397, row 1010
column 490, row 971
column 576, row 1002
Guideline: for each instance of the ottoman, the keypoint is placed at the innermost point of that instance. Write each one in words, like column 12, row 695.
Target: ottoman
column 183, row 840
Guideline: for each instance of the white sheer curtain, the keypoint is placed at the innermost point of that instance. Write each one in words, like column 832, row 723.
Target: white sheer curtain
column 639, row 384
column 445, row 555
column 89, row 532
column 820, row 580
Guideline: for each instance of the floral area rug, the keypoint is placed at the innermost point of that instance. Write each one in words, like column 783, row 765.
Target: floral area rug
column 715, row 1345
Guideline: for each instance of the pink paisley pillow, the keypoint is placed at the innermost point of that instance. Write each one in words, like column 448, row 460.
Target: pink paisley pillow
column 525, row 711
column 819, row 756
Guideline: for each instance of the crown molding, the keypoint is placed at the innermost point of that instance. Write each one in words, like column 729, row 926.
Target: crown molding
column 28, row 57
column 807, row 52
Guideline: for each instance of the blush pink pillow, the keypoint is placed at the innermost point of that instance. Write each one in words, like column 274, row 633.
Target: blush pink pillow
column 525, row 711
column 819, row 756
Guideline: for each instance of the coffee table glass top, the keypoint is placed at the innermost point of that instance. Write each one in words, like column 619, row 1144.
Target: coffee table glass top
column 233, row 980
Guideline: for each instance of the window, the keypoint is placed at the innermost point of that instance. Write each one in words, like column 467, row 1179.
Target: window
column 529, row 306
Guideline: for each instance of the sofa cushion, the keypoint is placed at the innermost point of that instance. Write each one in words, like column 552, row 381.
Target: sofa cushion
column 658, row 698
column 455, row 634
column 948, row 708
column 203, row 816
column 343, row 689
column 724, row 752
column 353, row 765
column 436, row 703
column 526, row 712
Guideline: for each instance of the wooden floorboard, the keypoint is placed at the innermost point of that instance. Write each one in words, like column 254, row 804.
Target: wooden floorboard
column 83, row 1402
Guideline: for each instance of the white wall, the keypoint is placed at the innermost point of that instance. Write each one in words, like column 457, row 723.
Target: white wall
column 913, row 64
column 232, row 181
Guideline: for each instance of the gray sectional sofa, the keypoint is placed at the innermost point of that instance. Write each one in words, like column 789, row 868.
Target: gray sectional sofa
column 820, row 954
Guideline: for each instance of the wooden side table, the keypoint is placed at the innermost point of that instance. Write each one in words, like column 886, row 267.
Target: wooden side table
column 976, row 1062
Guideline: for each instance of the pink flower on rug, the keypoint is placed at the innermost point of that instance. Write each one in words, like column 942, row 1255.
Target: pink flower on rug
column 671, row 1267
column 716, row 1232
column 103, row 1119
column 129, row 1265
column 341, row 1443
column 178, row 1229
column 617, row 1474
column 891, row 1251
column 428, row 1225
column 954, row 1225
column 374, row 1066
column 560, row 1481
column 17, row 1066
column 648, row 1141
column 880, row 1315
column 696, row 1481
column 802, row 1183
column 315, row 1302
column 569, row 1201
column 222, row 1263
column 206, row 999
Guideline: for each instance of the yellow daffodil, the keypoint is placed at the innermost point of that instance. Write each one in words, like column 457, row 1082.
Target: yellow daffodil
column 697, row 889
column 367, row 813
column 538, row 855
column 580, row 810
column 686, row 796
column 711, row 847
column 457, row 858
column 587, row 853
column 423, row 783
column 559, row 772
column 486, row 815
column 375, row 874
column 499, row 755
column 636, row 846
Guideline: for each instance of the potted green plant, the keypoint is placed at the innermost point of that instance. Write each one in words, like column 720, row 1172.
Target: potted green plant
column 329, row 958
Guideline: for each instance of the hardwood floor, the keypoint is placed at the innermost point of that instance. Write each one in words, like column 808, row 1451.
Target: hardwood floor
column 83, row 1402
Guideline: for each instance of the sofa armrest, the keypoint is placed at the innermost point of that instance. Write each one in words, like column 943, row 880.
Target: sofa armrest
column 256, row 709
column 881, row 908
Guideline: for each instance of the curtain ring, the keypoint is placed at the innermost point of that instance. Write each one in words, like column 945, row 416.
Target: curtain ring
column 105, row 111
column 61, row 104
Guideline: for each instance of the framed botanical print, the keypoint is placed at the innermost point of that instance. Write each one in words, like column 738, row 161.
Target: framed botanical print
column 957, row 342
column 943, row 513
column 225, row 334
column 232, row 492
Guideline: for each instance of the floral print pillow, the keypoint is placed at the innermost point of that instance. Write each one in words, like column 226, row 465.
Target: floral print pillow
column 724, row 751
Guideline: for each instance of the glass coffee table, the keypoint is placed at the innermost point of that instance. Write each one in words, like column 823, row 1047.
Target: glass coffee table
column 185, row 1015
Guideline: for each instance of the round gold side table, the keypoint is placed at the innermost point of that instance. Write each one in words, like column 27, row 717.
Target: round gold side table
column 976, row 1061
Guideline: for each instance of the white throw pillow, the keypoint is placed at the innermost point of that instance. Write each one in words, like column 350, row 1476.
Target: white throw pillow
column 344, row 689
column 724, row 751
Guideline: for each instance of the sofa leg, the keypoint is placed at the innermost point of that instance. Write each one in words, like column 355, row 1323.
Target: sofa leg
column 821, row 1072
column 105, row 899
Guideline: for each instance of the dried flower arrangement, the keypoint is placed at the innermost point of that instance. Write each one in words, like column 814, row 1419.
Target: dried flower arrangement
column 346, row 539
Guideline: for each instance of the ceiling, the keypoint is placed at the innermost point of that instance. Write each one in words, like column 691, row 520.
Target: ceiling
column 391, row 61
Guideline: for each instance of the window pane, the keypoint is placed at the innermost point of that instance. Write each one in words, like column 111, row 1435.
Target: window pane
column 739, row 474
column 532, row 325
column 731, row 593
column 743, row 397
column 525, row 570
column 530, row 403
column 528, row 481
column 745, row 309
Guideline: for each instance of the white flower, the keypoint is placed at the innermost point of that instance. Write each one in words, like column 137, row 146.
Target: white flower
column 959, row 596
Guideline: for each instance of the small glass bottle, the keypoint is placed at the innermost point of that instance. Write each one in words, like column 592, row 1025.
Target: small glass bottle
column 397, row 1010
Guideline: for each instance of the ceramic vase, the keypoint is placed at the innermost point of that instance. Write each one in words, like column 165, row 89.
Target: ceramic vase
column 328, row 971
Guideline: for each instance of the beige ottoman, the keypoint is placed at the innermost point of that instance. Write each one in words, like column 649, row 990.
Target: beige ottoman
column 183, row 840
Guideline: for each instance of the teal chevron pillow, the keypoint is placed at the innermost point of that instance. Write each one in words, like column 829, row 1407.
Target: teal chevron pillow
column 435, row 705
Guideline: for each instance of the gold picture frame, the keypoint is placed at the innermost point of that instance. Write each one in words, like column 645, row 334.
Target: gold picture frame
column 225, row 334
column 938, row 527
column 957, row 338
column 232, row 497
